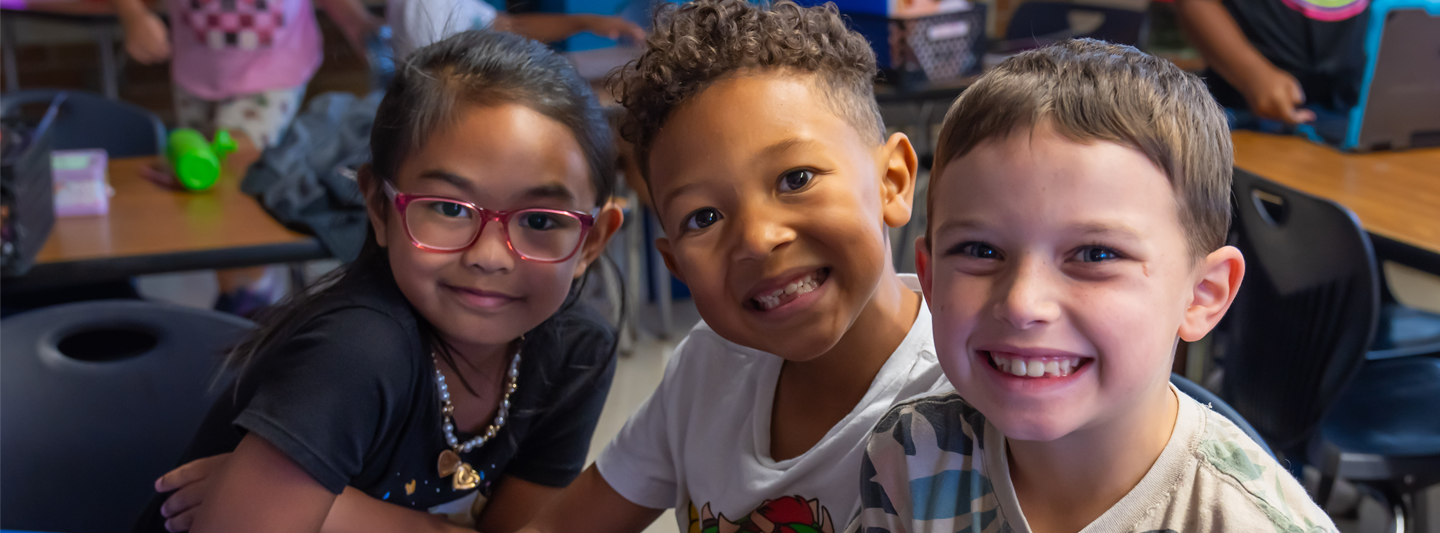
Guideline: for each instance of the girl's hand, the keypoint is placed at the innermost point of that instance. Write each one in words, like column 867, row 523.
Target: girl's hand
column 615, row 28
column 146, row 38
column 189, row 482
column 1276, row 95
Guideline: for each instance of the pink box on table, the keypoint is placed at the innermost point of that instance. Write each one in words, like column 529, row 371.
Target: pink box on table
column 80, row 185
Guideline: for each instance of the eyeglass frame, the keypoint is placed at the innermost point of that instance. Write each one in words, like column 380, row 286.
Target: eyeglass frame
column 402, row 202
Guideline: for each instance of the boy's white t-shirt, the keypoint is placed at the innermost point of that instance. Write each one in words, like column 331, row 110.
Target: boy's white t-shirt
column 701, row 442
column 418, row 23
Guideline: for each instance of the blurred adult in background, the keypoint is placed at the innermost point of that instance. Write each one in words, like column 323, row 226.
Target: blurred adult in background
column 1280, row 60
column 242, row 66
column 417, row 23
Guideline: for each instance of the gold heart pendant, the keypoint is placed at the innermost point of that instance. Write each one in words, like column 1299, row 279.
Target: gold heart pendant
column 465, row 478
column 449, row 461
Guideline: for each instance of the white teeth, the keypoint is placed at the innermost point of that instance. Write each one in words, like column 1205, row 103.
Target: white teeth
column 1034, row 369
column 794, row 288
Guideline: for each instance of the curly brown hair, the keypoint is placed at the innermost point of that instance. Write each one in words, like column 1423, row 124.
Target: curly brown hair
column 697, row 43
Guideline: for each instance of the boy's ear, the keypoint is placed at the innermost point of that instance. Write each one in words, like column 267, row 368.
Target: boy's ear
column 662, row 245
column 375, row 201
column 606, row 224
column 922, row 267
column 1220, row 274
column 897, row 183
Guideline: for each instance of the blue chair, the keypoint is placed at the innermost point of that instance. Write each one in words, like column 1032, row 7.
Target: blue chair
column 1213, row 401
column 93, row 121
column 97, row 400
column 1045, row 22
column 1297, row 350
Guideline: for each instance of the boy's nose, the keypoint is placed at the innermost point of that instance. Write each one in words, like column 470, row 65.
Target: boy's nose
column 759, row 234
column 490, row 253
column 1027, row 299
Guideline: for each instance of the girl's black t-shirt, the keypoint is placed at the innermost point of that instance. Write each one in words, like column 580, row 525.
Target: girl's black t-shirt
column 351, row 398
column 1326, row 57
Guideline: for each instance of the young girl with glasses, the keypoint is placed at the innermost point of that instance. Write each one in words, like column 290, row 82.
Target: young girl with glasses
column 446, row 376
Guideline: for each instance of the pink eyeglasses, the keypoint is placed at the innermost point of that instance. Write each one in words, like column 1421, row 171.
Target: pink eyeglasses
column 440, row 224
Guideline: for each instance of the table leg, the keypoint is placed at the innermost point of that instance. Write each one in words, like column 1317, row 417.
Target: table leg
column 7, row 41
column 108, row 72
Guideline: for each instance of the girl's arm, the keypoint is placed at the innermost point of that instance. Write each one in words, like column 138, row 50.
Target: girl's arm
column 358, row 512
column 551, row 27
column 260, row 489
column 1271, row 93
column 354, row 21
column 146, row 38
column 591, row 505
column 514, row 502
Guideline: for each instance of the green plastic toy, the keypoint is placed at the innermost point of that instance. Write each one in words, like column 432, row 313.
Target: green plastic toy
column 196, row 161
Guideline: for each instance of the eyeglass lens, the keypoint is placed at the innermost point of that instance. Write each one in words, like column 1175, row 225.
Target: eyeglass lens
column 534, row 234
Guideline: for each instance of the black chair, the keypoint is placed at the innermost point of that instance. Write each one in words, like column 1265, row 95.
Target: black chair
column 93, row 121
column 97, row 400
column 1295, row 347
column 1213, row 401
column 1046, row 22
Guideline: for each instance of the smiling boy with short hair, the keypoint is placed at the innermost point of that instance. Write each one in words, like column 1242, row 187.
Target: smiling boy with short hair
column 758, row 132
column 1080, row 202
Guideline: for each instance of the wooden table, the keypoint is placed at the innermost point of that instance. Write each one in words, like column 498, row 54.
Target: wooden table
column 1395, row 194
column 151, row 229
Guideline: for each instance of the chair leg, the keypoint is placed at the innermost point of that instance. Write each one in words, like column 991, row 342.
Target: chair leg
column 1421, row 513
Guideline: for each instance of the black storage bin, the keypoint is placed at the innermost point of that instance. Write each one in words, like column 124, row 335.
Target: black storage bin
column 27, row 204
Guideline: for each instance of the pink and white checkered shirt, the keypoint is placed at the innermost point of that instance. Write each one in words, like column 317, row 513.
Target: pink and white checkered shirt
column 226, row 48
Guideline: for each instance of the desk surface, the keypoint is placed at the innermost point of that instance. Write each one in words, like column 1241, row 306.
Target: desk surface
column 151, row 229
column 1395, row 194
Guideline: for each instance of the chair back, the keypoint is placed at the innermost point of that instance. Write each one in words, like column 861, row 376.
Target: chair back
column 92, row 121
column 1048, row 21
column 1305, row 314
column 97, row 400
column 1213, row 401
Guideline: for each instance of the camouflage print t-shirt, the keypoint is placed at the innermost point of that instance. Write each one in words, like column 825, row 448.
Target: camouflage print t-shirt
column 934, row 464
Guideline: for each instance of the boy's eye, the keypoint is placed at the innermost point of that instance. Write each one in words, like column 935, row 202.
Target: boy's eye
column 701, row 219
column 978, row 250
column 1096, row 254
column 795, row 180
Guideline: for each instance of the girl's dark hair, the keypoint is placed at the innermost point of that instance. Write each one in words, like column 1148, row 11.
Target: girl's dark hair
column 474, row 68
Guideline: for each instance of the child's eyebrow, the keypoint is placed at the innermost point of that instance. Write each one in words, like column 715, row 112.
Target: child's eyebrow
column 547, row 191
column 550, row 191
column 784, row 146
column 457, row 181
column 1108, row 229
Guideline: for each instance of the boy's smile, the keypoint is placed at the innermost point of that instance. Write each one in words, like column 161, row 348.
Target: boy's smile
column 772, row 211
column 1059, row 278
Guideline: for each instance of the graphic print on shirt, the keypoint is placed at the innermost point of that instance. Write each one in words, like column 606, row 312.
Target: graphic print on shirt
column 1328, row 10
column 242, row 24
column 789, row 514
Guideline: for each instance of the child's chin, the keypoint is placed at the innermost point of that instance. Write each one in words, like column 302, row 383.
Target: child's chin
column 1026, row 427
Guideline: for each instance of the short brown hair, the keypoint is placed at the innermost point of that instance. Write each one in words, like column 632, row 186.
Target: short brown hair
column 699, row 42
column 1096, row 91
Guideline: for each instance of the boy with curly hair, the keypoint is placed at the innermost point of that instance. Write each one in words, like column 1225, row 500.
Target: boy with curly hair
column 1081, row 198
column 757, row 130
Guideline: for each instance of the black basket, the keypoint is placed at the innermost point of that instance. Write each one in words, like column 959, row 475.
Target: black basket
column 946, row 47
column 27, row 205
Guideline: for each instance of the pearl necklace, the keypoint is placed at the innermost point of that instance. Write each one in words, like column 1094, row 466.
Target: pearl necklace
column 449, row 463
